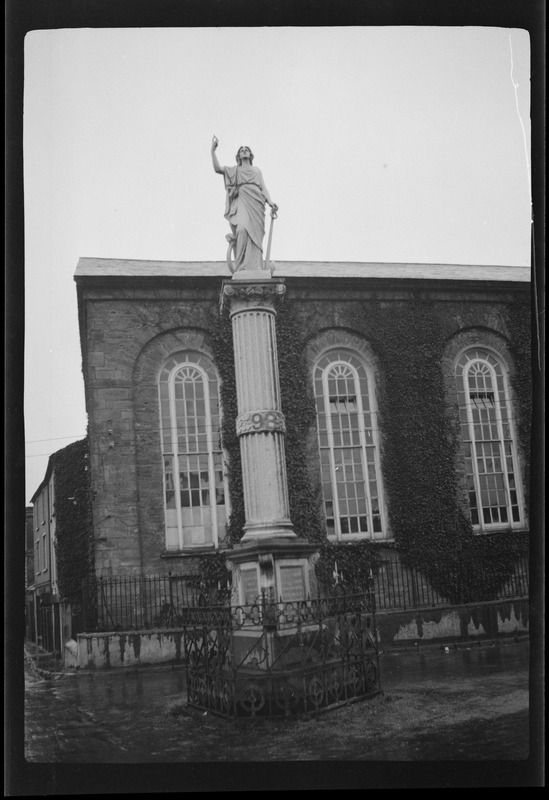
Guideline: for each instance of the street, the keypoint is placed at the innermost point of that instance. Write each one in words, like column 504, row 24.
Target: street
column 459, row 704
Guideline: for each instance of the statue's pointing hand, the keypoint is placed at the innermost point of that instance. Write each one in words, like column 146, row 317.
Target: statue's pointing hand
column 215, row 142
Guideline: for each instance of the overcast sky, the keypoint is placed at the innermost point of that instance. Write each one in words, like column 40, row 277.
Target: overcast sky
column 383, row 144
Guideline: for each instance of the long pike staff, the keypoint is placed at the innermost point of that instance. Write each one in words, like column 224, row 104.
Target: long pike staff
column 268, row 256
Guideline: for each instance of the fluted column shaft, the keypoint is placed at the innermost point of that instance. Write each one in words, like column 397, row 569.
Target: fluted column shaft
column 260, row 423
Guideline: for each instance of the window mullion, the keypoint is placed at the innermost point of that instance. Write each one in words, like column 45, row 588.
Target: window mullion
column 501, row 443
column 211, row 465
column 331, row 449
column 175, row 459
column 474, row 455
column 364, row 458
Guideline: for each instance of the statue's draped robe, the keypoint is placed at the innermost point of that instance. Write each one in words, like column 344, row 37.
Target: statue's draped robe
column 245, row 211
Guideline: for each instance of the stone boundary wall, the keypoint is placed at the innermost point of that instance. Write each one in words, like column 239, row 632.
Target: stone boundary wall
column 132, row 649
column 472, row 623
column 457, row 623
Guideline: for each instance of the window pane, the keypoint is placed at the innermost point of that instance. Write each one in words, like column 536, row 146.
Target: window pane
column 189, row 406
column 346, row 442
column 481, row 408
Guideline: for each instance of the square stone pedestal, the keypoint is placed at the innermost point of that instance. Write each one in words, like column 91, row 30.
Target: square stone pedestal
column 270, row 578
column 274, row 569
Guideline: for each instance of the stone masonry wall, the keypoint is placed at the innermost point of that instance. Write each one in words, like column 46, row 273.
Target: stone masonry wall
column 129, row 331
column 126, row 338
column 465, row 321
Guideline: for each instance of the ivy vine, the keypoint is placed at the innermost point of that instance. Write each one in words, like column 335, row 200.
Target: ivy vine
column 73, row 518
column 520, row 344
column 299, row 411
column 418, row 455
column 222, row 343
column 419, row 446
column 350, row 567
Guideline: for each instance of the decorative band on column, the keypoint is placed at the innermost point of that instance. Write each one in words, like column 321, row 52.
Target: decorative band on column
column 260, row 422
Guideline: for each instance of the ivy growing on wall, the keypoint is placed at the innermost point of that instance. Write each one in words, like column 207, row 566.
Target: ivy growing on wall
column 520, row 344
column 350, row 566
column 215, row 579
column 418, row 450
column 299, row 411
column 73, row 517
column 222, row 341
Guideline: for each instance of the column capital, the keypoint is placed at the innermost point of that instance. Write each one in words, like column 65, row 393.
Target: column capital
column 245, row 295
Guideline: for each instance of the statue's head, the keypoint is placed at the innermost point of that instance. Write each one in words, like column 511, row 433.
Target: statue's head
column 238, row 158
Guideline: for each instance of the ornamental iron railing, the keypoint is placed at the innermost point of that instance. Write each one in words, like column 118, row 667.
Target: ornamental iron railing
column 163, row 601
column 282, row 659
column 135, row 602
column 400, row 587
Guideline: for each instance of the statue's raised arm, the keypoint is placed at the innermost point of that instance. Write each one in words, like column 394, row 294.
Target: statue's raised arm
column 246, row 195
column 215, row 162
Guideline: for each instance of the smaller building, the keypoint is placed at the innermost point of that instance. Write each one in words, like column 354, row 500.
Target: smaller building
column 57, row 547
column 30, row 623
column 44, row 586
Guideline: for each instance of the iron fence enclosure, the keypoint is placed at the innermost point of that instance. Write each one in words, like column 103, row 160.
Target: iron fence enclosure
column 282, row 659
column 135, row 602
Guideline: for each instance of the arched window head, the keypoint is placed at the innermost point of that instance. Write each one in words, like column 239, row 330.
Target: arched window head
column 349, row 450
column 487, row 431
column 194, row 481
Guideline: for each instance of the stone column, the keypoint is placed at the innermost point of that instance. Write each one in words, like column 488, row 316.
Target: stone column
column 270, row 566
column 260, row 423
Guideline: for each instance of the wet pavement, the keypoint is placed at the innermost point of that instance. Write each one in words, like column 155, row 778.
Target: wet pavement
column 459, row 704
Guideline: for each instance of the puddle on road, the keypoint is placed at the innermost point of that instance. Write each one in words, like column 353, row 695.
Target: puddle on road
column 476, row 661
column 141, row 717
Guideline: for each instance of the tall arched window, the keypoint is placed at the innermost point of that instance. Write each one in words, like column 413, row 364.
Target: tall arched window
column 194, row 485
column 349, row 451
column 487, row 430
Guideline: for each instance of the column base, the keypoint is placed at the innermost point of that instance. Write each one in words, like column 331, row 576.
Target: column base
column 266, row 530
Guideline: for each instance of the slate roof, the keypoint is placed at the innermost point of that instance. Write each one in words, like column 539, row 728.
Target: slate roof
column 119, row 268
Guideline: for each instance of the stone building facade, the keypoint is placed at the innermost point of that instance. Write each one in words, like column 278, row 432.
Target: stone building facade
column 59, row 559
column 160, row 470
